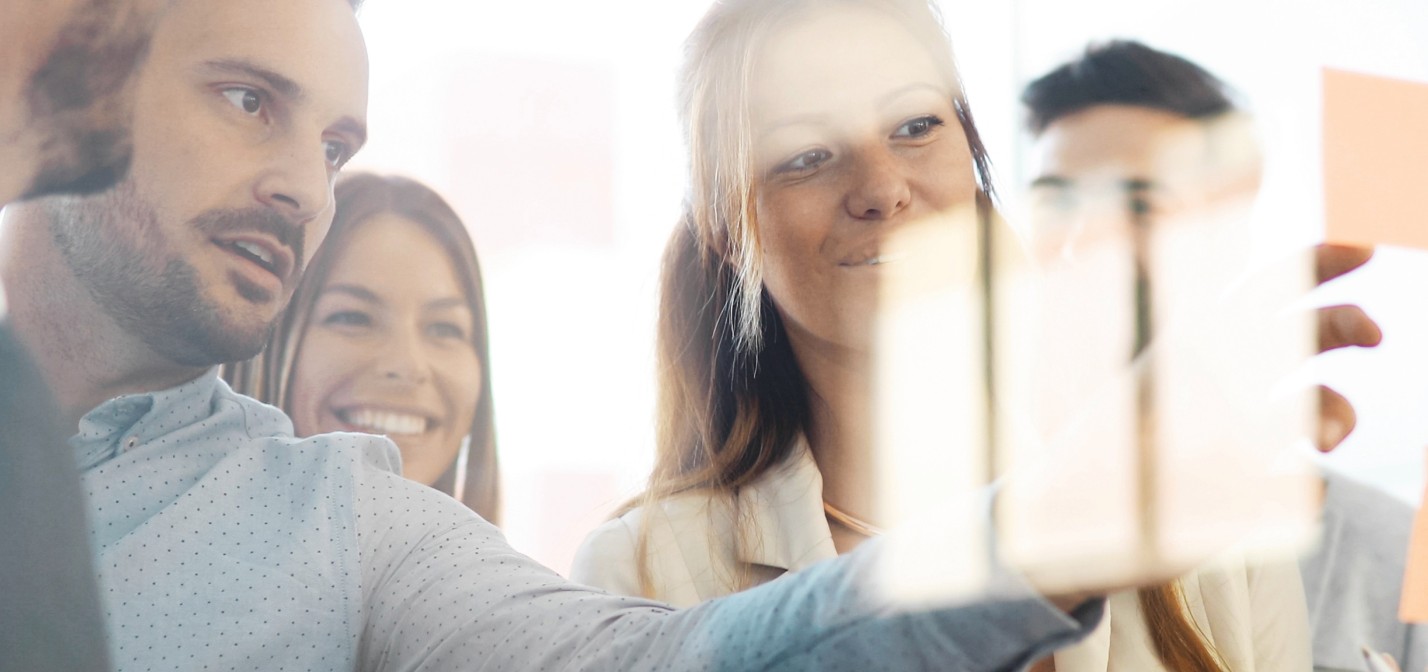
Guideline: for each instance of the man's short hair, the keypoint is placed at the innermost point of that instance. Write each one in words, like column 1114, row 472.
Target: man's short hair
column 1124, row 72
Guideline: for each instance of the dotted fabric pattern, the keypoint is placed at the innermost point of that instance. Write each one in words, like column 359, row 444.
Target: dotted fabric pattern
column 226, row 544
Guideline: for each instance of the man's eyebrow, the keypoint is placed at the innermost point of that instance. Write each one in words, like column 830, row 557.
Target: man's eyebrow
column 277, row 82
column 1050, row 181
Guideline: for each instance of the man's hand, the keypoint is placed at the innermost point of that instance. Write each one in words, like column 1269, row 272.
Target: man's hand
column 1340, row 327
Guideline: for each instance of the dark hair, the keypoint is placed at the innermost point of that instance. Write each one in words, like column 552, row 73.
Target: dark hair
column 1124, row 72
column 360, row 197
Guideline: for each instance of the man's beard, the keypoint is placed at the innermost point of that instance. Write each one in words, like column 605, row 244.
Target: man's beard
column 77, row 100
column 114, row 245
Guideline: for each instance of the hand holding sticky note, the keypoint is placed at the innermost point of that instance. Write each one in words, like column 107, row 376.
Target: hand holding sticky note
column 1413, row 606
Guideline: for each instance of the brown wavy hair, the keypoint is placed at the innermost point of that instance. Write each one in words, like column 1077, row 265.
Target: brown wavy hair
column 359, row 197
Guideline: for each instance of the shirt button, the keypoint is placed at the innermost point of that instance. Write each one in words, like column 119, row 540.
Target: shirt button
column 133, row 441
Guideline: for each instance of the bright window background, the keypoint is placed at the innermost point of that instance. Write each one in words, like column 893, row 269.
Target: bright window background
column 551, row 128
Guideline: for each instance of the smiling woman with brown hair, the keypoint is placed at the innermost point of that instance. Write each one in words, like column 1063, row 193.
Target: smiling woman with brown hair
column 386, row 334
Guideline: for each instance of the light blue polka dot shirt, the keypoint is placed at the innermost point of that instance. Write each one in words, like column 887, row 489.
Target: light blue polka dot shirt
column 226, row 544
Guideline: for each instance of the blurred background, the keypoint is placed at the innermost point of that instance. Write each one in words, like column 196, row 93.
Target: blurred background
column 551, row 128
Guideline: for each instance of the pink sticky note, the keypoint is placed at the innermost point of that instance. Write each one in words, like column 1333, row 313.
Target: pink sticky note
column 1413, row 606
column 1375, row 141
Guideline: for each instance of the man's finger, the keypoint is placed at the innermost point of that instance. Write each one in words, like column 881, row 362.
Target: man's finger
column 1345, row 326
column 1336, row 419
column 1332, row 261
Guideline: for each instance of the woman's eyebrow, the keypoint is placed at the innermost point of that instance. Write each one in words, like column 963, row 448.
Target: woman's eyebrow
column 356, row 291
column 794, row 120
column 892, row 96
column 446, row 303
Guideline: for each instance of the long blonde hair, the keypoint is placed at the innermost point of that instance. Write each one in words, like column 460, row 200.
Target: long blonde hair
column 732, row 399
column 475, row 475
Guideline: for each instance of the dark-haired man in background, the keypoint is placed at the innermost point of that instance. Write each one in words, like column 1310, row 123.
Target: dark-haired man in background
column 1097, row 121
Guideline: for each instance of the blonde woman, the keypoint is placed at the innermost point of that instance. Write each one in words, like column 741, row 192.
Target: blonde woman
column 815, row 128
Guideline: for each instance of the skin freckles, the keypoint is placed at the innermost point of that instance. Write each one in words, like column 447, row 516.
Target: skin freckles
column 856, row 140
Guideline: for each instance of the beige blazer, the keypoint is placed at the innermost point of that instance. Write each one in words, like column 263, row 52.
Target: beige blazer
column 692, row 551
column 1255, row 617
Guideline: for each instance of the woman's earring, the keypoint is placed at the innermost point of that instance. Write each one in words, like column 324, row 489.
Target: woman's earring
column 458, row 488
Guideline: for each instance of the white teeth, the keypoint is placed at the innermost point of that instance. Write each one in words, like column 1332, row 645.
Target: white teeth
column 384, row 422
column 256, row 250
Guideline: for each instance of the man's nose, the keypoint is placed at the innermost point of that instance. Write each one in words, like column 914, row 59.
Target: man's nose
column 297, row 181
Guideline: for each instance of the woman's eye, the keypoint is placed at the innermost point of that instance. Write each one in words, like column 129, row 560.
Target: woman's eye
column 337, row 153
column 805, row 161
column 445, row 330
column 348, row 318
column 246, row 99
column 918, row 127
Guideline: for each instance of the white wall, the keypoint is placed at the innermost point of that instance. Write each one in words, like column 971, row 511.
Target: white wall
column 573, row 311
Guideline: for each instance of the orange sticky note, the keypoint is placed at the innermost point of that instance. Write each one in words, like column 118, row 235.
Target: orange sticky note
column 1413, row 605
column 1375, row 170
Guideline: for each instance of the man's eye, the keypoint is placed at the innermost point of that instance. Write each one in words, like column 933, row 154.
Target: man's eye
column 244, row 98
column 918, row 127
column 337, row 153
column 805, row 161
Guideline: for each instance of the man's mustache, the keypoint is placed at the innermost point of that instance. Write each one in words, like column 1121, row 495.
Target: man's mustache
column 261, row 220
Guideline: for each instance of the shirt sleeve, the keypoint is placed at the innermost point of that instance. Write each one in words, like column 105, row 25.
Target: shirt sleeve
column 442, row 590
column 1415, row 647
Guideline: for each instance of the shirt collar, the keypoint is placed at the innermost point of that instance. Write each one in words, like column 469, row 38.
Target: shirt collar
column 786, row 504
column 131, row 420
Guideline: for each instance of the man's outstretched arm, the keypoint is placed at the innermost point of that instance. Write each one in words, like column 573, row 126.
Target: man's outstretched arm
column 443, row 590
